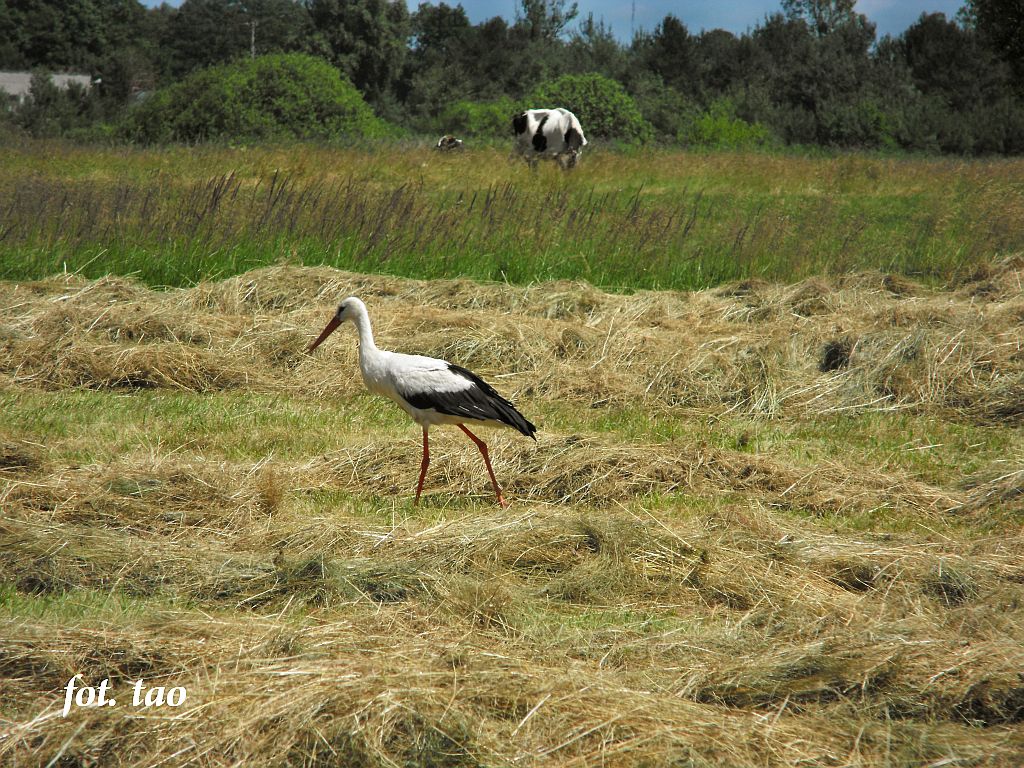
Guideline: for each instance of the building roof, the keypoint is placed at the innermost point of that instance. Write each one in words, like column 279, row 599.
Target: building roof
column 19, row 84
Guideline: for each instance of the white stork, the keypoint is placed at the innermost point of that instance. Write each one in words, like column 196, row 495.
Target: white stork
column 431, row 391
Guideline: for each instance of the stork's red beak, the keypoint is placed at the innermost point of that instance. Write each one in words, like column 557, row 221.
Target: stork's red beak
column 327, row 331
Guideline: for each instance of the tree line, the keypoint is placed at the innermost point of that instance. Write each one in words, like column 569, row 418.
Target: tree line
column 814, row 72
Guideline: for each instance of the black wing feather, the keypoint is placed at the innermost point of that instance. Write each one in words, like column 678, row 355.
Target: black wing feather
column 479, row 402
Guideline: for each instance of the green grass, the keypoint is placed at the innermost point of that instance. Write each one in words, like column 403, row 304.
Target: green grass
column 241, row 426
column 624, row 221
column 228, row 425
column 82, row 606
column 99, row 428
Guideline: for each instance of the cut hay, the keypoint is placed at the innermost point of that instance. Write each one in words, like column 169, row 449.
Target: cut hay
column 684, row 577
column 753, row 349
column 1004, row 492
column 441, row 660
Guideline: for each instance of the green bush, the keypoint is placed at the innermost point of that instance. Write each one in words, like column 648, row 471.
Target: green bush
column 483, row 119
column 50, row 111
column 284, row 96
column 669, row 112
column 720, row 128
column 861, row 123
column 603, row 107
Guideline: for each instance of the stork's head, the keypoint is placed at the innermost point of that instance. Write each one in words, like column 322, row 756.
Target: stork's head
column 347, row 310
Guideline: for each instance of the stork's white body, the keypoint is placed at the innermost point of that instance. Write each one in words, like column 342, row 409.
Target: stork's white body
column 431, row 391
column 388, row 373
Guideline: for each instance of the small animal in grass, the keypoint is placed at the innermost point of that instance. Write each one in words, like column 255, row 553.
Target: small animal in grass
column 448, row 143
column 550, row 133
column 431, row 391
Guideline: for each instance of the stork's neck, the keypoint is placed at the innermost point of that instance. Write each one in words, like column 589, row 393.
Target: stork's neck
column 367, row 347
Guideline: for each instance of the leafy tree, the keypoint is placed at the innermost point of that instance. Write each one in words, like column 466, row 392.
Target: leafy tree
column 603, row 107
column 822, row 16
column 206, row 32
column 436, row 71
column 43, row 38
column 722, row 60
column 452, row 61
column 74, row 34
column 948, row 61
column 277, row 26
column 668, row 111
column 281, row 96
column 535, row 48
column 12, row 38
column 365, row 39
column 999, row 128
column 821, row 85
column 671, row 53
column 593, row 48
column 437, row 30
column 113, row 40
column 502, row 61
column 963, row 100
column 788, row 52
column 1002, row 23
column 139, row 65
column 545, row 20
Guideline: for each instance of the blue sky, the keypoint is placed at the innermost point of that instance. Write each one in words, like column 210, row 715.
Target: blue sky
column 891, row 16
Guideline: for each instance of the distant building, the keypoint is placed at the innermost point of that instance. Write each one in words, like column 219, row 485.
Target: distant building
column 18, row 84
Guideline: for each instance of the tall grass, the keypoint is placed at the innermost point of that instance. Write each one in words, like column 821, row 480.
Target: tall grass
column 654, row 220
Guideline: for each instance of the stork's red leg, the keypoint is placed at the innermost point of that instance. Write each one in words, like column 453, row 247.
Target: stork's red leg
column 423, row 467
column 487, row 460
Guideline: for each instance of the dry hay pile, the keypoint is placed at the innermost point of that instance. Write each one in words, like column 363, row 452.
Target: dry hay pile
column 864, row 342
column 671, row 602
column 741, row 640
column 597, row 471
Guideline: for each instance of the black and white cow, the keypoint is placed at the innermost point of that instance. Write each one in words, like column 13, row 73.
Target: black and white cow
column 448, row 143
column 551, row 133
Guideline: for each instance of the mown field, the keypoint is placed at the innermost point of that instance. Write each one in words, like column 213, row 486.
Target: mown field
column 777, row 521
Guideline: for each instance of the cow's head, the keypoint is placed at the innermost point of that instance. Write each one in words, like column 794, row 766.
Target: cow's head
column 519, row 123
column 573, row 140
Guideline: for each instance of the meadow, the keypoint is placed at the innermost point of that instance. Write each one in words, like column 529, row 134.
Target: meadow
column 658, row 219
column 773, row 516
